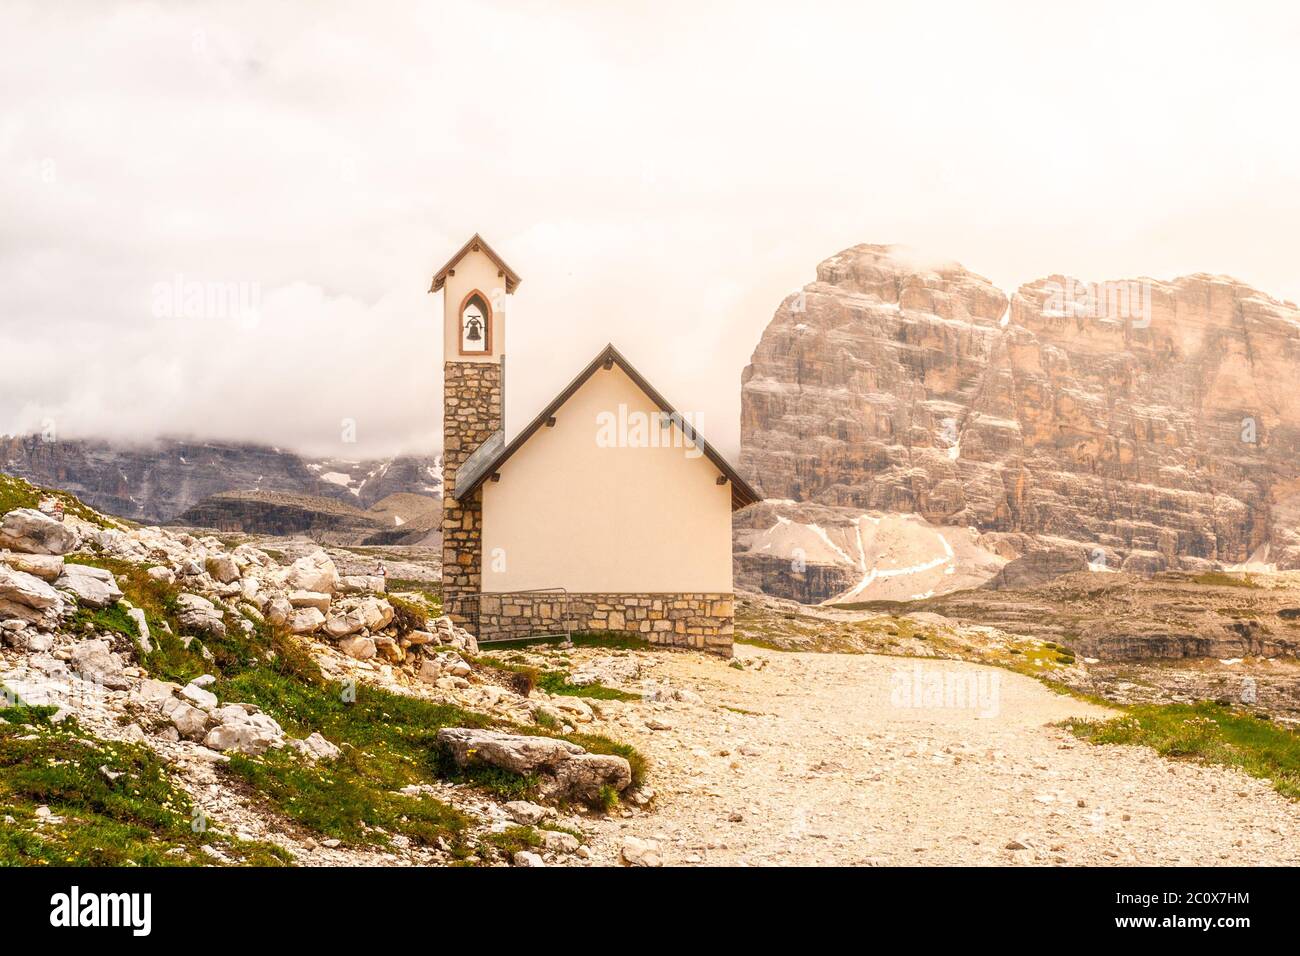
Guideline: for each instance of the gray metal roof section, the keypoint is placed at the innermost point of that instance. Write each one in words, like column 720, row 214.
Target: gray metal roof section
column 482, row 458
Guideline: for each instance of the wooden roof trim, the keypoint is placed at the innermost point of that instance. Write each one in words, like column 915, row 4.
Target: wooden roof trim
column 476, row 243
column 742, row 493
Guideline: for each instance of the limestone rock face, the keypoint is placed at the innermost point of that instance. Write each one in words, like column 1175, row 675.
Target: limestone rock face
column 26, row 597
column 94, row 587
column 94, row 660
column 29, row 531
column 44, row 566
column 517, row 753
column 565, row 770
column 1159, row 418
column 200, row 615
column 315, row 573
column 1038, row 567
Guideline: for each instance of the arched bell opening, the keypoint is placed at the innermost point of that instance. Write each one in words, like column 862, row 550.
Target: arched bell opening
column 475, row 325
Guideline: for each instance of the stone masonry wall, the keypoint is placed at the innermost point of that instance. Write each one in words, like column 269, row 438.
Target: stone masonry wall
column 471, row 413
column 702, row 621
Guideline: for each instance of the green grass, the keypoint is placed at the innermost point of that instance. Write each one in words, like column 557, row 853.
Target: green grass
column 613, row 640
column 557, row 682
column 17, row 493
column 1207, row 733
column 514, row 839
column 547, row 720
column 1221, row 579
column 171, row 659
column 553, row 682
column 429, row 591
column 337, row 799
column 112, row 618
column 118, row 802
column 388, row 740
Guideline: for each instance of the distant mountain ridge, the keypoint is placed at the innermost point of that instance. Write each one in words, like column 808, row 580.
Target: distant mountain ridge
column 400, row 518
column 156, row 482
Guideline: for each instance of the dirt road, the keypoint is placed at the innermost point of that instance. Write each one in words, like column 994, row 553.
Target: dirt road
column 823, row 759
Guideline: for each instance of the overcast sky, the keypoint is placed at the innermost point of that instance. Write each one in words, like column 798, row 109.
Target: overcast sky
column 659, row 174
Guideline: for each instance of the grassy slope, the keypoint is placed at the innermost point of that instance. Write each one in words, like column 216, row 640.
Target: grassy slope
column 388, row 742
column 17, row 493
column 118, row 803
column 1207, row 733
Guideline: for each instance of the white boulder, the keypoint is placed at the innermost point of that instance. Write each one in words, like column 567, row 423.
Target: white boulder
column 638, row 852
column 199, row 614
column 93, row 587
column 279, row 610
column 96, row 662
column 246, row 733
column 199, row 696
column 141, row 625
column 345, row 623
column 315, row 572
column 315, row 747
column 190, row 722
column 47, row 567
column 26, row 597
column 29, row 531
column 527, row 814
column 307, row 620
column 376, row 613
column 362, row 648
column 162, row 573
column 222, row 568
column 317, row 599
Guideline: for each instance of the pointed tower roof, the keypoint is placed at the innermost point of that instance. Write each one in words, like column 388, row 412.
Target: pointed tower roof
column 476, row 244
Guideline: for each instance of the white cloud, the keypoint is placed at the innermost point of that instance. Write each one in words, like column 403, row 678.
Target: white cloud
column 661, row 176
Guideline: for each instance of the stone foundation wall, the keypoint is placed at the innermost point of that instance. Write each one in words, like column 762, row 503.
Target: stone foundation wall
column 471, row 413
column 702, row 621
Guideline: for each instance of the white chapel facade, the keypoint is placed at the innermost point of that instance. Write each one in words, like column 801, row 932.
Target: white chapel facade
column 608, row 509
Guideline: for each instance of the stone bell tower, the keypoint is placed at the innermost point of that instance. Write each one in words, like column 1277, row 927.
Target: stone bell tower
column 475, row 283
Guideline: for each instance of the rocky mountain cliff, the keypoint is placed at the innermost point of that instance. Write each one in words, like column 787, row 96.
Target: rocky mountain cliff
column 157, row 482
column 397, row 519
column 1149, row 424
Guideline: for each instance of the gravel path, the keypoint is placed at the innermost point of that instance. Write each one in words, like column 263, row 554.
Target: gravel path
column 833, row 769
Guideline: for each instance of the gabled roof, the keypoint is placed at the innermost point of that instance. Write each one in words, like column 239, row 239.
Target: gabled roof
column 476, row 244
column 495, row 453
